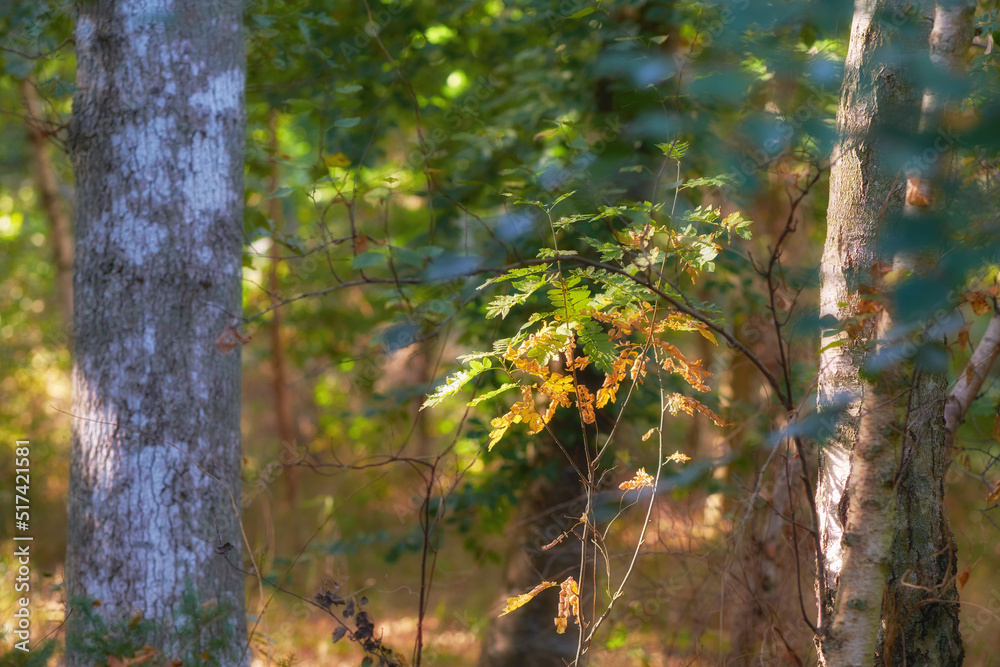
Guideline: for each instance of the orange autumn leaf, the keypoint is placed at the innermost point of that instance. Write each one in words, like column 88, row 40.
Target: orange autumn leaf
column 585, row 402
column 569, row 604
column 642, row 479
column 679, row 403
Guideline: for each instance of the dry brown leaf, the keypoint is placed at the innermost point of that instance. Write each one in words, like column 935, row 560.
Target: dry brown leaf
column 642, row 479
column 519, row 601
column 980, row 304
column 994, row 495
column 230, row 338
column 963, row 335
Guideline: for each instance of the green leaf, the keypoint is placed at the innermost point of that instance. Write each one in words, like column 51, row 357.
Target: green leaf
column 560, row 198
column 347, row 90
column 452, row 386
column 568, row 301
column 674, row 150
column 514, row 273
column 598, row 346
column 366, row 260
column 408, row 257
column 492, row 394
column 713, row 181
column 281, row 192
column 583, row 12
column 430, row 251
column 501, row 305
column 347, row 122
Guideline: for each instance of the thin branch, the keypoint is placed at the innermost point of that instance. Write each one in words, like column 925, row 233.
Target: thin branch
column 970, row 382
column 40, row 56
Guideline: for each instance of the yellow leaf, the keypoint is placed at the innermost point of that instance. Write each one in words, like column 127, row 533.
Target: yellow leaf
column 523, row 599
column 677, row 457
column 337, row 160
column 495, row 437
column 708, row 334
column 649, row 433
column 560, row 625
column 641, row 479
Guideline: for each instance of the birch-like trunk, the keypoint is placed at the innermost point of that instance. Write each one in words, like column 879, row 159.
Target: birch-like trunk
column 157, row 140
column 878, row 101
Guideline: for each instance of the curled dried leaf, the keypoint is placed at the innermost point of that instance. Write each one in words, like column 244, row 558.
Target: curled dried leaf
column 523, row 599
column 677, row 457
column 569, row 604
column 994, row 495
column 229, row 339
column 642, row 479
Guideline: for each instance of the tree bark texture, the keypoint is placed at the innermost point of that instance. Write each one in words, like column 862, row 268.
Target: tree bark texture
column 920, row 618
column 157, row 139
column 853, row 630
column 879, row 104
column 877, row 99
column 527, row 636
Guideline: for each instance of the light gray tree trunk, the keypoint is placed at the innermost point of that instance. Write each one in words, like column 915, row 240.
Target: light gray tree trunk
column 879, row 99
column 890, row 555
column 157, row 140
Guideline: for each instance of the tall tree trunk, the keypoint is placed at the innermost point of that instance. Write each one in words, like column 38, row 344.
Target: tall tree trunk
column 287, row 431
column 920, row 624
column 157, row 139
column 878, row 100
column 528, row 636
column 61, row 233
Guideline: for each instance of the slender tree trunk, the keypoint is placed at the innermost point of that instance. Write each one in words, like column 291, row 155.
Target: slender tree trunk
column 157, row 140
column 853, row 630
column 878, row 100
column 287, row 432
column 921, row 625
column 61, row 233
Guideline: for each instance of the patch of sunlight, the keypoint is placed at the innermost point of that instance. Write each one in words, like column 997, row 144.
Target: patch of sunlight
column 10, row 225
column 438, row 34
column 456, row 83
